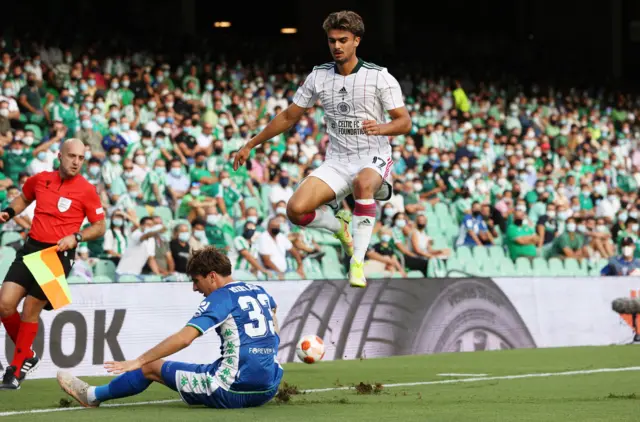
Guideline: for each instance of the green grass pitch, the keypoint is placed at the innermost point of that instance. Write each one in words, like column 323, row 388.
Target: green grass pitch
column 599, row 396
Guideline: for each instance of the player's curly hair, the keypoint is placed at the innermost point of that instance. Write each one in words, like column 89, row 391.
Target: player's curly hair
column 207, row 260
column 345, row 20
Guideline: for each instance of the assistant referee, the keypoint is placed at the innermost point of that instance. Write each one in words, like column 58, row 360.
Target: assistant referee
column 63, row 199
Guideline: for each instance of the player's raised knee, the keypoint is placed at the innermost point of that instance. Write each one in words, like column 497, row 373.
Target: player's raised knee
column 364, row 187
column 295, row 210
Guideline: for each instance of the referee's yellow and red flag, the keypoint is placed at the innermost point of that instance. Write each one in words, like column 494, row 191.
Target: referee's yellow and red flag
column 47, row 269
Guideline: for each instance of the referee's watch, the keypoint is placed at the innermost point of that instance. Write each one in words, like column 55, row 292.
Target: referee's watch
column 78, row 237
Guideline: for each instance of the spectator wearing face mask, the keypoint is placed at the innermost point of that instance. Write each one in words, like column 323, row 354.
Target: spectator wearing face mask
column 521, row 239
column 280, row 191
column 177, row 182
column 215, row 229
column 63, row 110
column 412, row 204
column 113, row 138
column 154, row 185
column 402, row 230
column 200, row 173
column 381, row 256
column 571, row 243
column 30, row 100
column 91, row 137
column 227, row 196
column 163, row 257
column 473, row 229
column 598, row 238
column 21, row 223
column 273, row 246
column 44, row 158
column 140, row 249
column 547, row 229
column 277, row 100
column 432, row 185
column 244, row 254
column 16, row 159
column 82, row 266
column 115, row 239
column 421, row 243
column 630, row 230
column 8, row 96
column 180, row 249
column 624, row 264
column 194, row 203
column 198, row 238
column 128, row 132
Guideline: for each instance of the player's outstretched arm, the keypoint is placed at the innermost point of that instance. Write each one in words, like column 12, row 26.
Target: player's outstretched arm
column 283, row 121
column 167, row 347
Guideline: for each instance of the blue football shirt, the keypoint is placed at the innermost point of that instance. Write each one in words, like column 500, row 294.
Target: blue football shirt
column 241, row 315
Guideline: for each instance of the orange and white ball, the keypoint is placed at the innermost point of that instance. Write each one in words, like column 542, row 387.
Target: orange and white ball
column 310, row 349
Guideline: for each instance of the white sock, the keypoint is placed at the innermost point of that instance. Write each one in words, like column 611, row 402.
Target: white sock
column 325, row 219
column 364, row 218
column 91, row 395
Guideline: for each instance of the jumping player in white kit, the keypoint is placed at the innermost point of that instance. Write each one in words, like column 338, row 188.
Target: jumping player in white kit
column 355, row 96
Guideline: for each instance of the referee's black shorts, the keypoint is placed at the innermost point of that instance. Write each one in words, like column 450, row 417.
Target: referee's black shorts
column 19, row 273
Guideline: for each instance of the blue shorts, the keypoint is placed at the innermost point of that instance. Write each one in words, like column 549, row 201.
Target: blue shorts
column 196, row 386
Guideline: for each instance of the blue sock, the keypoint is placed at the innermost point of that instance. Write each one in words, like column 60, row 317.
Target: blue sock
column 127, row 384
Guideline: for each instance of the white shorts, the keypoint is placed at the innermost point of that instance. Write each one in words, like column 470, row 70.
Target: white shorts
column 339, row 175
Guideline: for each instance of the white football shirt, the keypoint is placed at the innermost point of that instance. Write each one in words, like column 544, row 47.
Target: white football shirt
column 365, row 94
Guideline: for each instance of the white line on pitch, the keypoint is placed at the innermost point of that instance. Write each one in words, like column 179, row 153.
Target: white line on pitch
column 322, row 390
column 505, row 377
column 463, row 375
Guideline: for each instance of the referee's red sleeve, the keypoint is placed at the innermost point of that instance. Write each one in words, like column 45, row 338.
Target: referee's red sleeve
column 92, row 206
column 29, row 188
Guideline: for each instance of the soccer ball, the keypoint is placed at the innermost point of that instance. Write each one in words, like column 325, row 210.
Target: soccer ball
column 310, row 349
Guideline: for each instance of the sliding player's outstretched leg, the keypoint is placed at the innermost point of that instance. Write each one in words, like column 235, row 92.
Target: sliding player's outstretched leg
column 307, row 208
column 125, row 385
column 366, row 183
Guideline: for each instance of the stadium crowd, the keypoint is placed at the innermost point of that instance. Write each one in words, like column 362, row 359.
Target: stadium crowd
column 531, row 175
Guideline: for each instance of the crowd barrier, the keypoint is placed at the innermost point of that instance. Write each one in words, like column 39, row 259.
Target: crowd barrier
column 389, row 317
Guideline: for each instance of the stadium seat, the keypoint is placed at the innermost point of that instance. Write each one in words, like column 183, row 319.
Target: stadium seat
column 556, row 267
column 496, row 252
column 523, row 267
column 480, row 253
column 454, row 263
column 437, row 268
column 292, row 275
column 573, row 268
column 101, row 279
column 164, row 213
column 128, row 279
column 105, row 267
column 76, row 280
column 242, row 275
column 507, row 268
column 415, row 274
column 440, row 242
column 540, row 267
column 7, row 254
column 141, row 211
column 464, row 253
column 10, row 237
column 312, row 269
column 37, row 132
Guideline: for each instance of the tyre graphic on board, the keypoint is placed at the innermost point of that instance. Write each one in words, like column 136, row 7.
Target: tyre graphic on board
column 400, row 317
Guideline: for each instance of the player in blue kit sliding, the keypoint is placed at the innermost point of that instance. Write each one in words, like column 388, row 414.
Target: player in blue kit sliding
column 246, row 375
